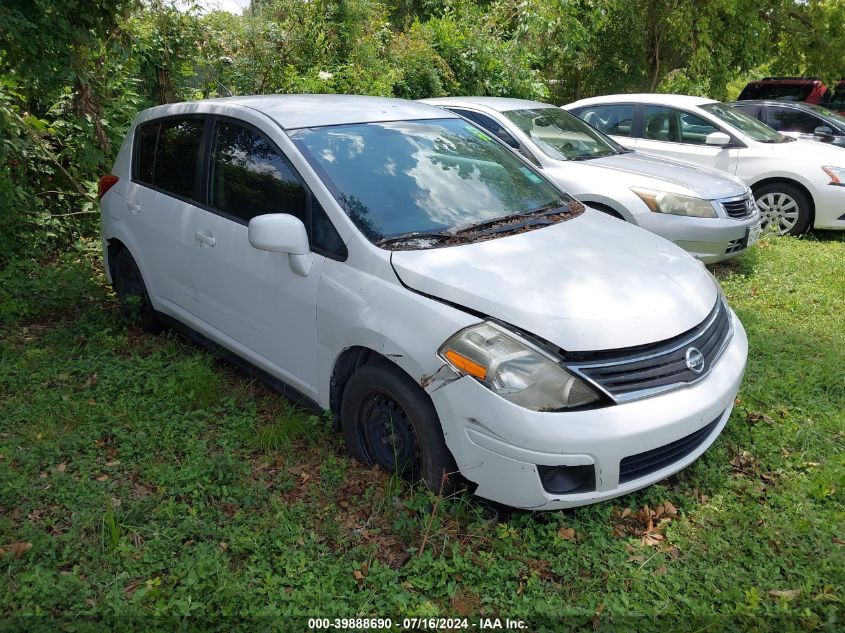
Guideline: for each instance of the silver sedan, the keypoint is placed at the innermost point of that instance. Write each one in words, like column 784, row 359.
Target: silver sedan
column 709, row 213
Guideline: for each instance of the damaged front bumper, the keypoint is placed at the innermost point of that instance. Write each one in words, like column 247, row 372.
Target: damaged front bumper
column 499, row 445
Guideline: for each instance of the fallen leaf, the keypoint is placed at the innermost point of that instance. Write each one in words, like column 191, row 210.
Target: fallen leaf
column 18, row 549
column 674, row 552
column 637, row 559
column 115, row 462
column 789, row 594
column 103, row 477
column 566, row 533
column 129, row 589
column 224, row 545
column 661, row 570
column 61, row 467
column 626, row 512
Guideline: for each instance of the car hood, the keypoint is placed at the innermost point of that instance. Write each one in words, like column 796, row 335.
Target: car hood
column 698, row 181
column 806, row 151
column 589, row 283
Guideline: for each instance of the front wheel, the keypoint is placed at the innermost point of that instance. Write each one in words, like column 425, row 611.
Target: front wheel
column 785, row 209
column 389, row 421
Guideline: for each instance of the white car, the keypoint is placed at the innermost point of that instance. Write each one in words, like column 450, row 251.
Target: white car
column 706, row 212
column 455, row 310
column 796, row 183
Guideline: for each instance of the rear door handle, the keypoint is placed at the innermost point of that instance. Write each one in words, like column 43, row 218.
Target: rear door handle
column 134, row 207
column 205, row 238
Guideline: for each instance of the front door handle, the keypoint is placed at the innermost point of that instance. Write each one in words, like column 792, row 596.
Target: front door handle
column 205, row 238
column 134, row 207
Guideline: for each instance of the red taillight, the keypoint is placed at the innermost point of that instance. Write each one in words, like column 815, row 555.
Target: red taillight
column 106, row 182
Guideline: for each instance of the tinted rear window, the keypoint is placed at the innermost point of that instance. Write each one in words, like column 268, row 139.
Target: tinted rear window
column 784, row 92
column 146, row 152
column 176, row 156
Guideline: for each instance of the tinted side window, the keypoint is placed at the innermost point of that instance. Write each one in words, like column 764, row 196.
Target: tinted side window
column 792, row 120
column 145, row 152
column 616, row 120
column 784, row 91
column 176, row 157
column 324, row 237
column 249, row 178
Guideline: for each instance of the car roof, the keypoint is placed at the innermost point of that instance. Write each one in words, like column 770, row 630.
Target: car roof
column 311, row 110
column 499, row 104
column 680, row 101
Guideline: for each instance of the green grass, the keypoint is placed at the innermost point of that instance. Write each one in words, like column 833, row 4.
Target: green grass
column 153, row 480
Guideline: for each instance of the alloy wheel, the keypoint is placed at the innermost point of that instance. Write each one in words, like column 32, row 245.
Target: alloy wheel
column 779, row 211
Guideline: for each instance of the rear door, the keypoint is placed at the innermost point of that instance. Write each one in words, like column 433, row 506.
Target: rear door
column 160, row 201
column 682, row 135
column 251, row 301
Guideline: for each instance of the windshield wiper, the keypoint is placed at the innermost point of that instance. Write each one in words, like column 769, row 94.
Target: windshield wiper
column 514, row 221
column 416, row 239
column 589, row 156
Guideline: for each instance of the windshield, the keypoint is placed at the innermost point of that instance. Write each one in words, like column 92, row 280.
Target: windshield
column 403, row 178
column 747, row 125
column 561, row 135
column 830, row 114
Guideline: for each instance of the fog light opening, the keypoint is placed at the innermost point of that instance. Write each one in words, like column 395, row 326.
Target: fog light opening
column 561, row 480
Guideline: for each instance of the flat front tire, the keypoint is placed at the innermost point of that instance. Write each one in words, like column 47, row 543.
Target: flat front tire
column 135, row 305
column 389, row 421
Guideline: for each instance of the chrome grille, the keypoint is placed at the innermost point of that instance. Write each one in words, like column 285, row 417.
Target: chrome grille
column 741, row 207
column 660, row 367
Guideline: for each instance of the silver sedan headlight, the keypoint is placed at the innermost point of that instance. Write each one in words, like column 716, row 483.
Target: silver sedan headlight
column 675, row 204
column 515, row 369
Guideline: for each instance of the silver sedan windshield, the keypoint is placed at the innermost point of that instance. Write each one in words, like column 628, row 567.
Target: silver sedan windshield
column 561, row 135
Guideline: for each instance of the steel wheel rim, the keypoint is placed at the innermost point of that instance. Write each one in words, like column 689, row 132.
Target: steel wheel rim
column 780, row 212
column 388, row 436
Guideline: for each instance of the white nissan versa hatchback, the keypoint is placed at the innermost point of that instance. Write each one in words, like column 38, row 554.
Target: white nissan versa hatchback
column 456, row 311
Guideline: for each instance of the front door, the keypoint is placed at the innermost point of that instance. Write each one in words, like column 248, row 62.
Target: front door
column 248, row 300
column 682, row 135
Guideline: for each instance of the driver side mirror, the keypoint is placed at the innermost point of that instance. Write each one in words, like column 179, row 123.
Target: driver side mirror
column 823, row 132
column 718, row 138
column 282, row 233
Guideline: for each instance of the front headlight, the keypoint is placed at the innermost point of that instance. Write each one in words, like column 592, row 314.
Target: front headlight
column 515, row 369
column 675, row 204
column 837, row 174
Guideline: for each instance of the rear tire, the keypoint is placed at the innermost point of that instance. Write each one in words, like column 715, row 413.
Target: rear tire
column 135, row 305
column 784, row 208
column 389, row 421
